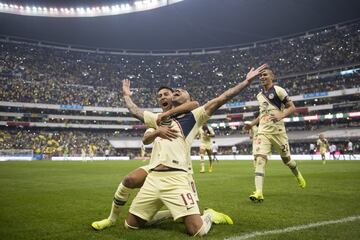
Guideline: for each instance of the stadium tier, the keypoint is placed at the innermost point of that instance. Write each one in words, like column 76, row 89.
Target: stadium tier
column 55, row 99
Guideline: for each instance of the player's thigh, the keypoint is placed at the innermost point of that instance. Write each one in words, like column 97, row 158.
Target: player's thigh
column 280, row 142
column 262, row 145
column 179, row 197
column 147, row 202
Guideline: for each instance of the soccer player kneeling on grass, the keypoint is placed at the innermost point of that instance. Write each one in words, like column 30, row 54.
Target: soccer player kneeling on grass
column 167, row 183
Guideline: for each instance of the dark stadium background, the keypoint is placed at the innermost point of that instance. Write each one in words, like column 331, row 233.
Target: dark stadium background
column 188, row 24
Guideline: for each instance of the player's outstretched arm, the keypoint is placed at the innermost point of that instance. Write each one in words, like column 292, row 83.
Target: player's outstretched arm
column 186, row 107
column 133, row 108
column 214, row 104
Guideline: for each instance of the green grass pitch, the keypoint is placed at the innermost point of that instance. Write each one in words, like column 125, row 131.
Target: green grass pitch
column 59, row 200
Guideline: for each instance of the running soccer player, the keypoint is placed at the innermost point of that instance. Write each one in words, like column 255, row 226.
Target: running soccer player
column 323, row 146
column 206, row 133
column 274, row 105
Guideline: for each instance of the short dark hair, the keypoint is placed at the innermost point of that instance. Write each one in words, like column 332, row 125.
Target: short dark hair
column 165, row 87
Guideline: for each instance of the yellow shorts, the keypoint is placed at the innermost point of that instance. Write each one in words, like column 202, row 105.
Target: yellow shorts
column 322, row 151
column 171, row 189
column 205, row 146
column 264, row 143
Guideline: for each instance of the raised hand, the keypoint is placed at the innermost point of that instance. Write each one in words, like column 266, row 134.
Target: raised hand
column 253, row 73
column 126, row 87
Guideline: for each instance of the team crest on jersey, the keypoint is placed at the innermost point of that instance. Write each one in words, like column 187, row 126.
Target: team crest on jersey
column 271, row 95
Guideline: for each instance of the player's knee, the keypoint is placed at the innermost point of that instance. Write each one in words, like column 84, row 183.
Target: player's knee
column 194, row 228
column 260, row 160
column 193, row 224
column 129, row 181
column 286, row 160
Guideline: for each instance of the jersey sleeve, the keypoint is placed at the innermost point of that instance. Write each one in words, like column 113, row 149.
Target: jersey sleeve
column 200, row 116
column 150, row 119
column 149, row 130
column 283, row 95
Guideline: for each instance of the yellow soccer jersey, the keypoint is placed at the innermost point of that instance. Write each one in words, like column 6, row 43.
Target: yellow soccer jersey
column 155, row 153
column 323, row 144
column 271, row 102
column 204, row 138
column 176, row 153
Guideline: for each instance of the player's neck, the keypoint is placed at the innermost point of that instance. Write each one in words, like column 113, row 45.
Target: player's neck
column 268, row 86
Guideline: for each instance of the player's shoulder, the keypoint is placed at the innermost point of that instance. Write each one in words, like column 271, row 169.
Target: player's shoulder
column 279, row 89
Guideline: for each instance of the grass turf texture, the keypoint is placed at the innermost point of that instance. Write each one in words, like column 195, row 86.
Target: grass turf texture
column 59, row 200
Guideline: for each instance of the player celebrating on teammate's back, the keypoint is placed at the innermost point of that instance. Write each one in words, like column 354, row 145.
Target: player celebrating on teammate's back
column 167, row 182
column 275, row 105
column 136, row 178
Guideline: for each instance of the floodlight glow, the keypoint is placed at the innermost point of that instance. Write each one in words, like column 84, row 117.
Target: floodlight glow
column 106, row 10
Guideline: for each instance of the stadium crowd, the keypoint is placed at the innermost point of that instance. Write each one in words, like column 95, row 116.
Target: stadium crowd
column 44, row 75
column 35, row 74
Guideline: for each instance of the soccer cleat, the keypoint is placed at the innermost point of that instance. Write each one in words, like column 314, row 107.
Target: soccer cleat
column 301, row 181
column 100, row 225
column 256, row 197
column 210, row 169
column 218, row 217
column 202, row 170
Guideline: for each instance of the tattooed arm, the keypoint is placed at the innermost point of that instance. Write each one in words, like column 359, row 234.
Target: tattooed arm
column 214, row 104
column 133, row 108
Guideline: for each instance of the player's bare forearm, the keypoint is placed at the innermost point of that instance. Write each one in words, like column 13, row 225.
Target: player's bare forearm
column 214, row 104
column 186, row 107
column 134, row 109
column 289, row 109
column 255, row 122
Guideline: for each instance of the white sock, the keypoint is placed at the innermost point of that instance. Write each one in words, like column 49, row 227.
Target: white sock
column 207, row 222
column 293, row 167
column 259, row 174
column 121, row 196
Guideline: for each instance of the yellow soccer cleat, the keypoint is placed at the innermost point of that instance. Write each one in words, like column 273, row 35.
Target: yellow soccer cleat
column 210, row 169
column 256, row 197
column 218, row 217
column 301, row 181
column 100, row 225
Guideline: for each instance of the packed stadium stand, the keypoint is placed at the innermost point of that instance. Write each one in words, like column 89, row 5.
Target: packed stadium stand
column 54, row 98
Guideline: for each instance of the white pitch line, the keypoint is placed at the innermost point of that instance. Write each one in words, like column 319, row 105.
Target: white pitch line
column 294, row 228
